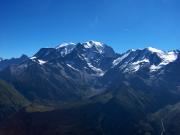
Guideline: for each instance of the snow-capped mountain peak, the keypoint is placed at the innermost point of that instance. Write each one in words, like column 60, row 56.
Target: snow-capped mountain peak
column 154, row 50
column 65, row 48
column 152, row 58
column 99, row 57
column 65, row 45
column 166, row 59
column 165, row 56
column 92, row 43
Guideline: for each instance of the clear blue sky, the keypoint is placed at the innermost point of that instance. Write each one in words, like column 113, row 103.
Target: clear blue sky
column 27, row 25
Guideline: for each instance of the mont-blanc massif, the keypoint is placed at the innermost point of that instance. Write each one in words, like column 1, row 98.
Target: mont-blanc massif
column 90, row 89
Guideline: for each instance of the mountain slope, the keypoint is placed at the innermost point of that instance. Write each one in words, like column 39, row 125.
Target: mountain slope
column 14, row 61
column 109, row 118
column 93, row 90
column 164, row 121
column 163, row 83
column 49, row 76
column 73, row 72
column 116, row 111
column 10, row 100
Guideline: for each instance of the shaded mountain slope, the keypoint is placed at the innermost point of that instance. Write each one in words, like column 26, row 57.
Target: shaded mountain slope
column 10, row 100
column 14, row 61
column 109, row 118
column 165, row 121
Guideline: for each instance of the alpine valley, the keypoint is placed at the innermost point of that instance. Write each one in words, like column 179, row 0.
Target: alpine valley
column 89, row 89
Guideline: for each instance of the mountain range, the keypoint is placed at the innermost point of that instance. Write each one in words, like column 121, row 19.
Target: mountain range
column 88, row 88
